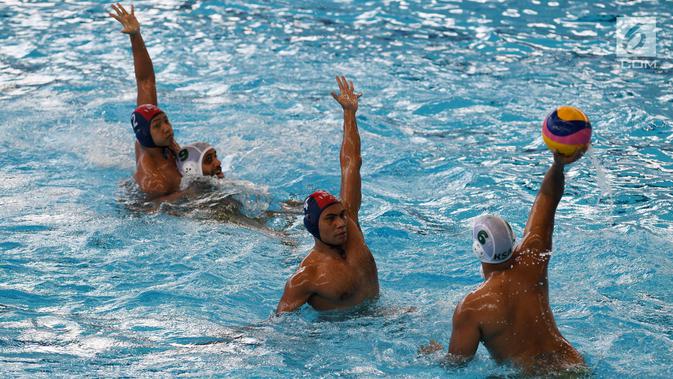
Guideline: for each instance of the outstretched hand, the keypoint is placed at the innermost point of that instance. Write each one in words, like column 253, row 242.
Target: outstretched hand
column 347, row 96
column 565, row 159
column 128, row 21
column 430, row 348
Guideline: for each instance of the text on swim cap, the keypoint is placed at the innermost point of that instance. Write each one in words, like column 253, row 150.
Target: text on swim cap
column 183, row 155
column 502, row 256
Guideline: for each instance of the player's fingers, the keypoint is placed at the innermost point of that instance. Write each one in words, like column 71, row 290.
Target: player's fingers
column 133, row 9
column 116, row 9
column 341, row 86
column 124, row 12
column 335, row 96
column 579, row 154
column 352, row 88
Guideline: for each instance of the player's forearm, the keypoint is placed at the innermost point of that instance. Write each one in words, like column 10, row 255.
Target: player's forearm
column 554, row 182
column 284, row 307
column 142, row 62
column 170, row 197
column 350, row 147
column 454, row 361
column 351, row 161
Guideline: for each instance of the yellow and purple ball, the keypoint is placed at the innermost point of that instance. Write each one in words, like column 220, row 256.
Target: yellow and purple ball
column 566, row 129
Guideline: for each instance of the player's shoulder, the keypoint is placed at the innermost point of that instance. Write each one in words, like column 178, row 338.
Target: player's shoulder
column 471, row 302
column 483, row 298
column 483, row 304
column 313, row 263
column 531, row 257
column 310, row 269
column 145, row 159
column 304, row 273
column 146, row 167
column 534, row 241
column 466, row 311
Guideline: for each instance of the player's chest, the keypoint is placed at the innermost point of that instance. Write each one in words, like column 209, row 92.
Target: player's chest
column 169, row 171
column 162, row 173
column 351, row 277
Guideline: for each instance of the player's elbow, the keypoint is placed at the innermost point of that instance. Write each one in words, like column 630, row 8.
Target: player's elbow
column 551, row 194
column 351, row 162
column 147, row 84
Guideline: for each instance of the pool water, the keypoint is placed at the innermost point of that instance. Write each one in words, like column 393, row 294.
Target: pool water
column 454, row 94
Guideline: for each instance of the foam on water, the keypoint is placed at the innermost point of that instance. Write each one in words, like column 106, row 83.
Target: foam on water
column 601, row 177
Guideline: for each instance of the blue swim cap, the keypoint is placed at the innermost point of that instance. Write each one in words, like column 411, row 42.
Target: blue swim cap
column 140, row 121
column 314, row 204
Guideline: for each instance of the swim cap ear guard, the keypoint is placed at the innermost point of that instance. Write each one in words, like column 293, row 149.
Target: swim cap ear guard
column 141, row 120
column 493, row 239
column 314, row 204
column 190, row 159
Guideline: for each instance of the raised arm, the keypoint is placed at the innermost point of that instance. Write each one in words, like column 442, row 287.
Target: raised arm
column 147, row 91
column 298, row 290
column 351, row 161
column 537, row 235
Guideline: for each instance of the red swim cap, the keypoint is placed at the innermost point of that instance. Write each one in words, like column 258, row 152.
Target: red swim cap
column 141, row 119
column 314, row 204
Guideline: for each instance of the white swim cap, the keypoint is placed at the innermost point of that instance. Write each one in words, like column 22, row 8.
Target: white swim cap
column 190, row 158
column 493, row 239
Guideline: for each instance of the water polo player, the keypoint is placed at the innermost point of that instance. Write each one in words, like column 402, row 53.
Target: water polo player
column 156, row 169
column 340, row 271
column 199, row 159
column 510, row 311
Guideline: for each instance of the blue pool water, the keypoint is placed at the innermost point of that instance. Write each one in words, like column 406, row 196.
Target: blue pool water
column 454, row 93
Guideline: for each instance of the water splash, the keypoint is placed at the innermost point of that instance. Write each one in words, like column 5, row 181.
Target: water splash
column 601, row 177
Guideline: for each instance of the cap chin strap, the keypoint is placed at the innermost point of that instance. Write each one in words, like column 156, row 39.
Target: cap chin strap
column 166, row 152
